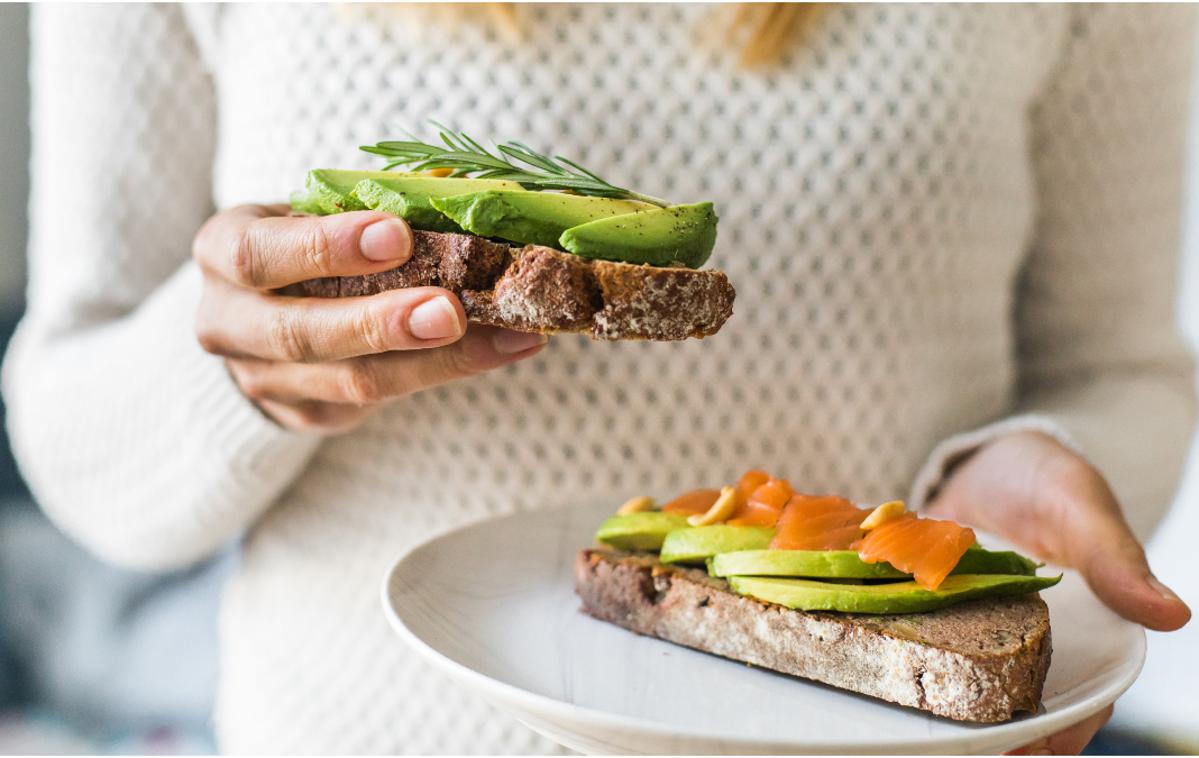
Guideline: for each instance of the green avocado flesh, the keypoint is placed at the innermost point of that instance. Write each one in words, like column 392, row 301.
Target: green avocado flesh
column 630, row 231
column 845, row 564
column 680, row 234
column 331, row 190
column 979, row 560
column 410, row 198
column 742, row 550
column 841, row 564
column 639, row 531
column 537, row 218
column 697, row 544
column 406, row 195
column 302, row 202
column 894, row 597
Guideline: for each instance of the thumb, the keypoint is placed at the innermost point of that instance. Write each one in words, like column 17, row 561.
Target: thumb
column 1113, row 562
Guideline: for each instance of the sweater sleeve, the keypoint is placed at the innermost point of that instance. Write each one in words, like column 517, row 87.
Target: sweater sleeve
column 1102, row 366
column 134, row 441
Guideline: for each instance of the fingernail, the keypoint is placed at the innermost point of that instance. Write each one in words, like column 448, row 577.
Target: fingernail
column 386, row 240
column 1041, row 751
column 1163, row 590
column 507, row 342
column 434, row 319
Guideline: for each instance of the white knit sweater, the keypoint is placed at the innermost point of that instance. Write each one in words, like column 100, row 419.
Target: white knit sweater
column 940, row 221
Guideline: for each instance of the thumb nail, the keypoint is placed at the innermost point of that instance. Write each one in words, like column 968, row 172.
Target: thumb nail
column 1163, row 590
column 434, row 319
column 386, row 240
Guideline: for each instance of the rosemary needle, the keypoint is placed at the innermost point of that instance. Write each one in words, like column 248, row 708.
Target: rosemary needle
column 514, row 161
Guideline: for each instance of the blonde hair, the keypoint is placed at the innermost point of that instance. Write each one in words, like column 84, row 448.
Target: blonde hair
column 764, row 32
column 760, row 33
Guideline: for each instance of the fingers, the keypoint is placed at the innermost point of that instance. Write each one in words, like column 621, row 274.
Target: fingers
column 235, row 322
column 316, row 364
column 251, row 247
column 1069, row 741
column 373, row 379
column 315, row 418
column 1100, row 544
column 1050, row 501
column 1123, row 581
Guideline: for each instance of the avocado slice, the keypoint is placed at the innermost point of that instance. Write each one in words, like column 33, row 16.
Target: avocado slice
column 846, row 564
column 842, row 564
column 680, row 234
column 537, row 218
column 697, row 544
column 639, row 531
column 302, row 202
column 893, row 597
column 977, row 560
column 331, row 190
column 410, row 197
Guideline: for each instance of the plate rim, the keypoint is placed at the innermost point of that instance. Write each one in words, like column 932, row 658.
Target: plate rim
column 495, row 689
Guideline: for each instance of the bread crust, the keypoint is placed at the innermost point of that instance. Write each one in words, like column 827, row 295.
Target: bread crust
column 539, row 289
column 979, row 661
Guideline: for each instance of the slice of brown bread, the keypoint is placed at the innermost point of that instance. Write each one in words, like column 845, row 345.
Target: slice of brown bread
column 981, row 661
column 539, row 289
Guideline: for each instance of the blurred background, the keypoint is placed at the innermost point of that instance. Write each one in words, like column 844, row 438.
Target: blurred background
column 98, row 660
column 92, row 659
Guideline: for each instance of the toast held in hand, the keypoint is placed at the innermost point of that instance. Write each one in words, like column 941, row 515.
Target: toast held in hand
column 539, row 289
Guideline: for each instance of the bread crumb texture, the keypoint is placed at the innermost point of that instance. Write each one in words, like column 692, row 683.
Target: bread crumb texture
column 976, row 661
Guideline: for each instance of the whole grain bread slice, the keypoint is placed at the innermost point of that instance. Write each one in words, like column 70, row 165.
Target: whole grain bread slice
column 977, row 661
column 540, row 289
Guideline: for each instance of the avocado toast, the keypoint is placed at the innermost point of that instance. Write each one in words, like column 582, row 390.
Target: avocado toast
column 944, row 625
column 532, row 243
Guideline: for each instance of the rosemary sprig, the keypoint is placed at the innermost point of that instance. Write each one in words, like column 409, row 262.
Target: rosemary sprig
column 514, row 161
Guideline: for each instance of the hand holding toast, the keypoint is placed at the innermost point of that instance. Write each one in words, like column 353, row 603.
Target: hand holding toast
column 321, row 365
column 1049, row 501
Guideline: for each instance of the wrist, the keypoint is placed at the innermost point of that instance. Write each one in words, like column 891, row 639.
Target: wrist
column 953, row 453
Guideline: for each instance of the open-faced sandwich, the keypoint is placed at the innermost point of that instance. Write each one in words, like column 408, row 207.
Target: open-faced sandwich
column 532, row 242
column 879, row 601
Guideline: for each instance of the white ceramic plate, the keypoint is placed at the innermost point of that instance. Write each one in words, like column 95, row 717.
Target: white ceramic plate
column 492, row 604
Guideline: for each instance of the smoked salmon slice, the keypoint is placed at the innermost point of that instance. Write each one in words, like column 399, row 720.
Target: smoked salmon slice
column 762, row 504
column 928, row 549
column 749, row 482
column 818, row 522
column 693, row 502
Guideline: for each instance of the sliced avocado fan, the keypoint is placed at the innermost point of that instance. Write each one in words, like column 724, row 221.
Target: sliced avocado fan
column 828, row 580
column 605, row 228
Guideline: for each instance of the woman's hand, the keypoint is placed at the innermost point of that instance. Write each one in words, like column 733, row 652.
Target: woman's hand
column 1047, row 500
column 321, row 365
